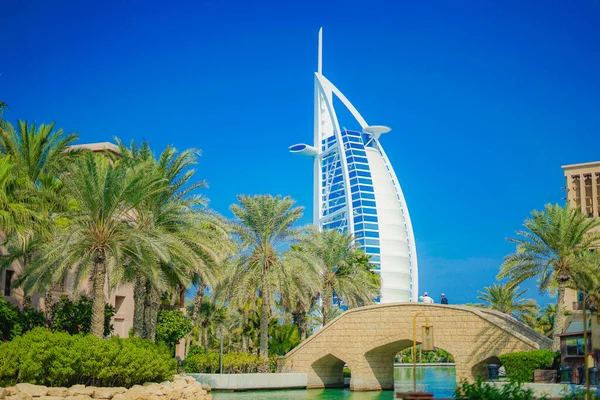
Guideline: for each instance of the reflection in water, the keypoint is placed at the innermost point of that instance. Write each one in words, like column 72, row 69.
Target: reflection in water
column 439, row 380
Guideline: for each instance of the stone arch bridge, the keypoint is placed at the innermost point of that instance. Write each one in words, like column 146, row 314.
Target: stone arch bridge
column 368, row 338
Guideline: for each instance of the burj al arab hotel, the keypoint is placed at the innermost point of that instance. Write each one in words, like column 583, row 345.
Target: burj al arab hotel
column 356, row 190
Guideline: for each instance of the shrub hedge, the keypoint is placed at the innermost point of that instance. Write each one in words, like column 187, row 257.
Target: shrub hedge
column 520, row 366
column 59, row 359
column 233, row 363
column 482, row 390
column 14, row 322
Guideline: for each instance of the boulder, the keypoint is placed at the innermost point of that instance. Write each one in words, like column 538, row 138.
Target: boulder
column 19, row 396
column 32, row 390
column 107, row 393
column 192, row 392
column 78, row 397
column 178, row 385
column 154, row 390
column 81, row 390
column 58, row 391
column 50, row 398
column 137, row 392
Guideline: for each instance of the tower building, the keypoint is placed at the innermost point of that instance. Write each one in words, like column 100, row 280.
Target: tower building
column 356, row 190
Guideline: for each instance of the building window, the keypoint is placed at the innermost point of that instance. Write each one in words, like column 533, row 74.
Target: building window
column 574, row 346
column 8, row 282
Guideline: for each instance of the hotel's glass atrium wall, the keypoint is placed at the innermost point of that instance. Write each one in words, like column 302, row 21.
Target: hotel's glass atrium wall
column 333, row 195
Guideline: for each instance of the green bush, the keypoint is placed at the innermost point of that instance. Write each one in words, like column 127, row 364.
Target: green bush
column 76, row 316
column 172, row 326
column 59, row 359
column 14, row 322
column 196, row 350
column 520, row 366
column 283, row 338
column 482, row 390
column 233, row 363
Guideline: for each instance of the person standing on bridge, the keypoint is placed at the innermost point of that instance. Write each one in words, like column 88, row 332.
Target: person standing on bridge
column 444, row 299
column 426, row 299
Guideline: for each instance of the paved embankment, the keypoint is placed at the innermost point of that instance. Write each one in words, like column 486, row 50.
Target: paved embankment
column 239, row 382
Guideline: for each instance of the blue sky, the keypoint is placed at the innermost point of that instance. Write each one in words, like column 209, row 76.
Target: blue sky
column 487, row 99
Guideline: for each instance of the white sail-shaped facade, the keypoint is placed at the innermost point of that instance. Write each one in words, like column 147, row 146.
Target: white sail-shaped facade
column 356, row 190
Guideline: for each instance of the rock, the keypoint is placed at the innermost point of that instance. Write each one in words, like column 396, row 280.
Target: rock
column 32, row 390
column 81, row 390
column 58, row 391
column 78, row 397
column 136, row 392
column 3, row 393
column 206, row 387
column 178, row 385
column 154, row 390
column 107, row 393
column 120, row 396
column 19, row 396
column 191, row 393
column 50, row 398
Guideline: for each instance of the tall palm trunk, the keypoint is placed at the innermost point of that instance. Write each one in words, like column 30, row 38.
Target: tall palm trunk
column 300, row 320
column 327, row 303
column 559, row 316
column 98, row 304
column 198, row 301
column 151, row 308
column 206, row 337
column 265, row 315
column 139, row 297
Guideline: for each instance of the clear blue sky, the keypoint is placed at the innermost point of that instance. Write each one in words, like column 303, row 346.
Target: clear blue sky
column 487, row 99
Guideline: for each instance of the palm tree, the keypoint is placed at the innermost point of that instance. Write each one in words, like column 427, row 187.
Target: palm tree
column 264, row 225
column 508, row 300
column 343, row 270
column 16, row 213
column 586, row 279
column 100, row 234
column 547, row 249
column 211, row 317
column 198, row 235
column 545, row 320
column 37, row 151
column 3, row 107
column 300, row 287
column 38, row 154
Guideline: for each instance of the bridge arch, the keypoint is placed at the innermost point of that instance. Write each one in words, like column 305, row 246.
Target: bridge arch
column 368, row 338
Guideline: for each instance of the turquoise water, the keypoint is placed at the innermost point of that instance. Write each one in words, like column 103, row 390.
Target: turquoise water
column 441, row 381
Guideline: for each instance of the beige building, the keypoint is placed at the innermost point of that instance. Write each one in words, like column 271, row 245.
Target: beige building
column 121, row 297
column 583, row 190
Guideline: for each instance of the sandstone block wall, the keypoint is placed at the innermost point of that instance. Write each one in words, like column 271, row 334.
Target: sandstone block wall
column 367, row 339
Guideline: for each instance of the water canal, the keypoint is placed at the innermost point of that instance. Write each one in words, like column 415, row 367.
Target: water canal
column 440, row 380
